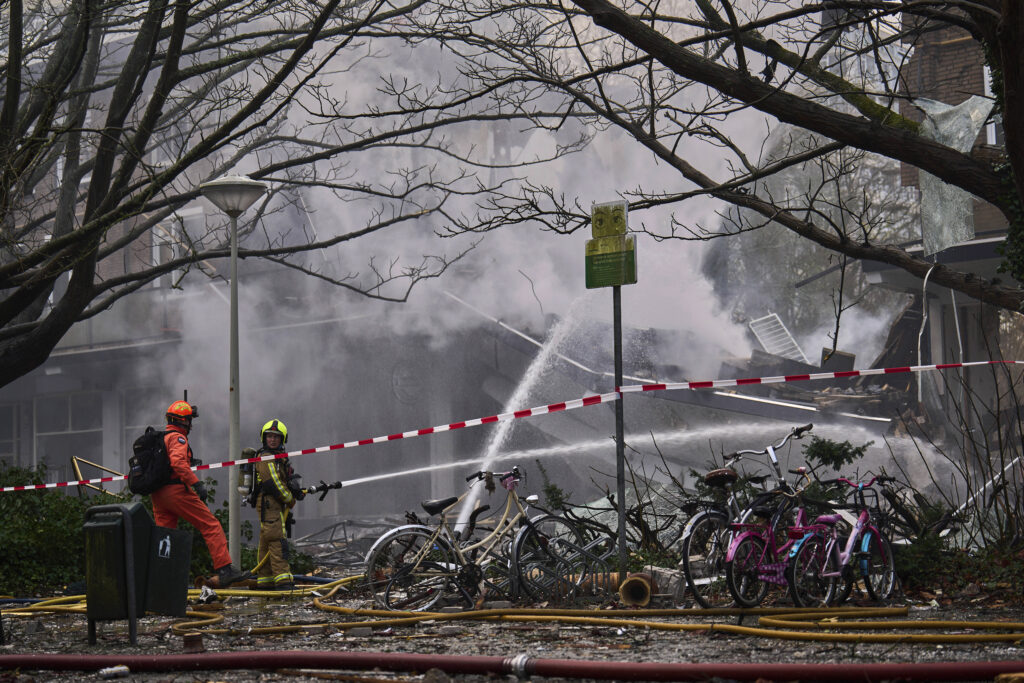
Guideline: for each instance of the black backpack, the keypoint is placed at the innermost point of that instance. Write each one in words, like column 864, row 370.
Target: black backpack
column 149, row 467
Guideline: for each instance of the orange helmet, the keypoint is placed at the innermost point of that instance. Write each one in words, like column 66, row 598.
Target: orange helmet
column 182, row 412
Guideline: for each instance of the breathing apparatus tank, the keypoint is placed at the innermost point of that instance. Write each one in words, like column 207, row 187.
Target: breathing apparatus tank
column 245, row 484
column 247, row 472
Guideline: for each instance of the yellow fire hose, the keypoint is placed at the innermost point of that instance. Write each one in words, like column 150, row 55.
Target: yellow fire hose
column 809, row 624
column 783, row 623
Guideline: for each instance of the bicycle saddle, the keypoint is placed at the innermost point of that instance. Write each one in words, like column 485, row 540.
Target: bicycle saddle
column 721, row 477
column 433, row 507
column 828, row 519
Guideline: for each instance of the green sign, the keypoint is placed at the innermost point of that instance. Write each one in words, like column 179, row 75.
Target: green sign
column 611, row 261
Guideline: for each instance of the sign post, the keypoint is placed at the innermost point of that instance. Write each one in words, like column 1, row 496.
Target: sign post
column 611, row 262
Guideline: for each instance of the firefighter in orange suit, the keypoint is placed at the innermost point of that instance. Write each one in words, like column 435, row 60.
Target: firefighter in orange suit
column 277, row 489
column 185, row 496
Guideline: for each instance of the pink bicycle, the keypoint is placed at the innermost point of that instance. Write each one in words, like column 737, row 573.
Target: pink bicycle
column 757, row 555
column 822, row 564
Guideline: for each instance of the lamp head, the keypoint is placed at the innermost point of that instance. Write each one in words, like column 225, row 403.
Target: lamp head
column 233, row 194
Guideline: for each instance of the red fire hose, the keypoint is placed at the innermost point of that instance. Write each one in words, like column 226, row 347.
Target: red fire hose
column 520, row 665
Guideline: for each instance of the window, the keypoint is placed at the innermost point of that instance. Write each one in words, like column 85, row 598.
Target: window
column 58, row 167
column 8, row 435
column 52, row 414
column 67, row 425
column 167, row 145
column 142, row 408
column 59, row 286
column 175, row 238
column 994, row 129
column 158, row 157
column 86, row 412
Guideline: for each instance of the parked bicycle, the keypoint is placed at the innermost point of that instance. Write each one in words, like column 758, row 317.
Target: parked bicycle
column 757, row 556
column 413, row 566
column 823, row 565
column 705, row 538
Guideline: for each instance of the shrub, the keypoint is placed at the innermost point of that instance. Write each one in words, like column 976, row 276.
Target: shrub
column 924, row 563
column 833, row 453
column 554, row 496
column 44, row 546
column 41, row 535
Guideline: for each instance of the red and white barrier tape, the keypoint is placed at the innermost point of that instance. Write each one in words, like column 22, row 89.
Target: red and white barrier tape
column 514, row 415
column 551, row 408
column 802, row 378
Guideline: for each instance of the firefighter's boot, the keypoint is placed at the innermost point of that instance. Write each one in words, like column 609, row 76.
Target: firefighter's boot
column 228, row 575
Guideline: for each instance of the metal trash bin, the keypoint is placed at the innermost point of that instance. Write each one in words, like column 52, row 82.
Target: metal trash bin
column 116, row 554
column 133, row 566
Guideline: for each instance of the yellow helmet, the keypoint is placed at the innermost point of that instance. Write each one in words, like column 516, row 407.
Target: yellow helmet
column 274, row 427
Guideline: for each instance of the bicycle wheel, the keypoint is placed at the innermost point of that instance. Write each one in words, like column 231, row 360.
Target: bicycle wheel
column 743, row 571
column 397, row 548
column 843, row 591
column 808, row 584
column 703, row 559
column 417, row 586
column 876, row 566
column 547, row 559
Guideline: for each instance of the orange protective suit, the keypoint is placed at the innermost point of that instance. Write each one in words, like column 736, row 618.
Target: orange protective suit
column 177, row 500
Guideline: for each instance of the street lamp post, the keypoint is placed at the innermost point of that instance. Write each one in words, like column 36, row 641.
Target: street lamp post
column 233, row 195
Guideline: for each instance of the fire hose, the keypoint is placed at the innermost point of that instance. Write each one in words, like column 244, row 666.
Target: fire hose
column 813, row 625
column 781, row 623
column 521, row 666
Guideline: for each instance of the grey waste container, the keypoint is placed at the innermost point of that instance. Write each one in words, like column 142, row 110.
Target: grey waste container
column 116, row 555
column 133, row 566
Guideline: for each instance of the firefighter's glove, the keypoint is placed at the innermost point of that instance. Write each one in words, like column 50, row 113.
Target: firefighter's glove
column 200, row 489
column 295, row 486
column 248, row 453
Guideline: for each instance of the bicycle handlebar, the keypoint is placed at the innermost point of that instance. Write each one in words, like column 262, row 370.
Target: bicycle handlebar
column 796, row 433
column 782, row 486
column 881, row 479
column 502, row 476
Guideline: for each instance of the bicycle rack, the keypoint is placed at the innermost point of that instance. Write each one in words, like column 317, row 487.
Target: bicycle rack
column 557, row 579
column 580, row 570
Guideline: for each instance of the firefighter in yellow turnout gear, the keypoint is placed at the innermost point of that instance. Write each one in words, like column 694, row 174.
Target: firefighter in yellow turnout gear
column 276, row 489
